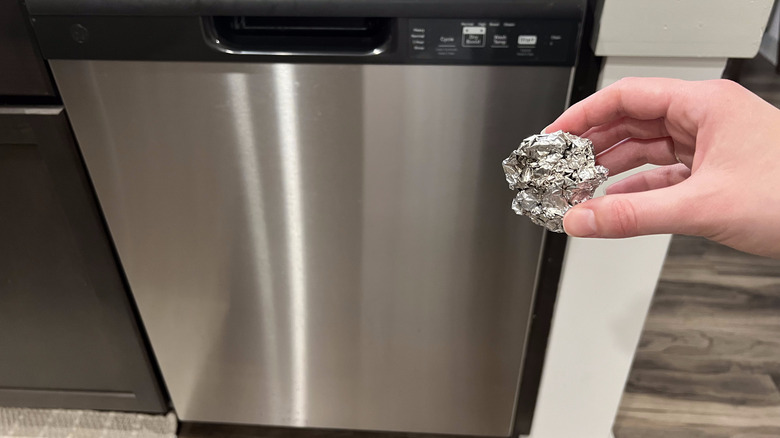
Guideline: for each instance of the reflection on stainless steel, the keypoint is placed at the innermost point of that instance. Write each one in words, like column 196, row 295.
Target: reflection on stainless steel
column 553, row 172
column 320, row 245
column 292, row 187
column 251, row 185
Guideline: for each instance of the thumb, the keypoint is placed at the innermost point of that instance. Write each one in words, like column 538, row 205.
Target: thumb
column 660, row 211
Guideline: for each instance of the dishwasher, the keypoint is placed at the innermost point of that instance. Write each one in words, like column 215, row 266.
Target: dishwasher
column 307, row 198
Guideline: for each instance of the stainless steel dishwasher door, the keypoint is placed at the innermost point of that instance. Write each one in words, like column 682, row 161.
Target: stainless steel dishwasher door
column 321, row 245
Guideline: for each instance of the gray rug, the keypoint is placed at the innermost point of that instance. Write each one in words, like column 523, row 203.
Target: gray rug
column 56, row 423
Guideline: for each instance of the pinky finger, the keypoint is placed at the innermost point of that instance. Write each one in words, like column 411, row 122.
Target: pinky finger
column 651, row 179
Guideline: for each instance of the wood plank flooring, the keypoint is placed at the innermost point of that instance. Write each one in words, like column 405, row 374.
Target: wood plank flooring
column 708, row 363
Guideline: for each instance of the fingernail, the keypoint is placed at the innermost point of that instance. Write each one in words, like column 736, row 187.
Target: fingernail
column 544, row 131
column 580, row 222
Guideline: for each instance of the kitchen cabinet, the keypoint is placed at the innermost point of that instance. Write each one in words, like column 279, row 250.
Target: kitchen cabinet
column 69, row 336
column 23, row 71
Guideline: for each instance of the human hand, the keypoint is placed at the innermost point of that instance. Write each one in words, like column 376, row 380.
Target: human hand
column 719, row 148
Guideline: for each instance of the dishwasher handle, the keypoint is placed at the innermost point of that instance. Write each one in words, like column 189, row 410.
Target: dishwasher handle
column 308, row 36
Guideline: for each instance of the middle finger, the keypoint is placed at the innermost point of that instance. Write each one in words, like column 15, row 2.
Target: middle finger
column 607, row 135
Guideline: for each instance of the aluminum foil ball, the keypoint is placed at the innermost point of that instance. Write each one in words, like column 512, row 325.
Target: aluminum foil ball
column 552, row 173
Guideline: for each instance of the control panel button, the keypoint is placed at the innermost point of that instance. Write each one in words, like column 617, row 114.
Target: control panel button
column 500, row 41
column 417, row 39
column 474, row 36
column 526, row 40
column 490, row 41
column 558, row 46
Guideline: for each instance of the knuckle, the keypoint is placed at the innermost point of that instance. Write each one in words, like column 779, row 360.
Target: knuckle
column 646, row 154
column 623, row 83
column 678, row 174
column 726, row 86
column 668, row 173
column 623, row 218
column 706, row 203
column 624, row 132
column 714, row 226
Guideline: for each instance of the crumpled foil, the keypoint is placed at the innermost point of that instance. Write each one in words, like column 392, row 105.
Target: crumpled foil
column 552, row 173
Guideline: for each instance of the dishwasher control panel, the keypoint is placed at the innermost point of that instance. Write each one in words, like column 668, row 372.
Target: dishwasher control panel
column 484, row 41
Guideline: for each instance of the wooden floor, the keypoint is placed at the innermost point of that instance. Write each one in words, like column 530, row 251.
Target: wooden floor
column 708, row 364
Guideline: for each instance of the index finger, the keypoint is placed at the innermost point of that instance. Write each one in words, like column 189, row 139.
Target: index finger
column 638, row 98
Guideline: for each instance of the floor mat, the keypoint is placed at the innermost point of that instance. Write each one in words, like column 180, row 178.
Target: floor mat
column 57, row 423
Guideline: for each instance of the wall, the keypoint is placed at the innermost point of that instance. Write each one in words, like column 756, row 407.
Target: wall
column 770, row 40
column 681, row 28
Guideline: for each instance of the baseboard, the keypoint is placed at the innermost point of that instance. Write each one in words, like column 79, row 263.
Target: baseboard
column 769, row 48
